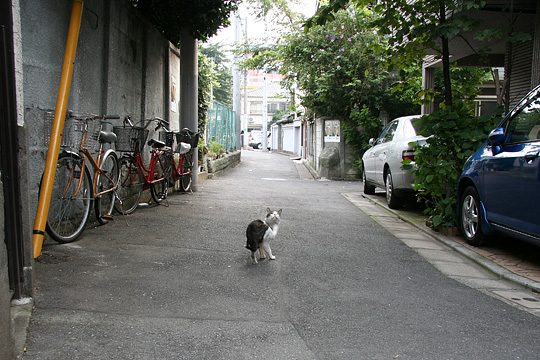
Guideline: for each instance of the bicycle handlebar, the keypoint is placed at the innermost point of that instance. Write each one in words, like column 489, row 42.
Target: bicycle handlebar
column 92, row 117
column 161, row 124
column 160, row 121
column 127, row 120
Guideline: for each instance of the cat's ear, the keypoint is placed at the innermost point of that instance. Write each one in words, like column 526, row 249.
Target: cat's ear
column 279, row 212
column 268, row 211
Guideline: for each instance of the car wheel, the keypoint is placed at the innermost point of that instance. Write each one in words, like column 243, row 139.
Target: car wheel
column 469, row 217
column 368, row 189
column 391, row 199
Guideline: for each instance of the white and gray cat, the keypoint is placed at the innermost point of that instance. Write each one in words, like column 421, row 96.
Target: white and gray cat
column 259, row 233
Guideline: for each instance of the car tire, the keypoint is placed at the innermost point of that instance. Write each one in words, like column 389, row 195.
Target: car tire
column 392, row 200
column 470, row 222
column 368, row 189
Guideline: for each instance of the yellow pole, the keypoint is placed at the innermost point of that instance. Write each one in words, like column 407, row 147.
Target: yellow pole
column 44, row 202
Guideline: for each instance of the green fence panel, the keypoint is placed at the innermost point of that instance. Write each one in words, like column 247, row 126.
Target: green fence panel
column 221, row 125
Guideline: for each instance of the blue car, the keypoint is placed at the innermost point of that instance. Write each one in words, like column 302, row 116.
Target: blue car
column 499, row 188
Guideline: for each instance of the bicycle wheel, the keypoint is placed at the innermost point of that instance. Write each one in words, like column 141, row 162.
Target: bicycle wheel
column 107, row 179
column 70, row 199
column 130, row 187
column 160, row 187
column 187, row 170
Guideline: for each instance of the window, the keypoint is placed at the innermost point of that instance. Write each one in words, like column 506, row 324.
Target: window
column 388, row 133
column 276, row 106
column 255, row 107
column 525, row 125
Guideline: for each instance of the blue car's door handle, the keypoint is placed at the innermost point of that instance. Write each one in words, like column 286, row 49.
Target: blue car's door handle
column 532, row 155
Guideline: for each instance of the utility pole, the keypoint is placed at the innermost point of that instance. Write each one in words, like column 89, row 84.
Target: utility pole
column 245, row 119
column 237, row 23
column 264, row 140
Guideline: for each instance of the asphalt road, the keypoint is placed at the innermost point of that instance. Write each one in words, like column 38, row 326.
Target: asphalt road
column 177, row 284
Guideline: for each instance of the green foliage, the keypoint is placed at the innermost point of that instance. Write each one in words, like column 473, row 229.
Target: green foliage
column 341, row 68
column 341, row 71
column 207, row 79
column 222, row 86
column 215, row 81
column 412, row 27
column 274, row 10
column 465, row 84
column 455, row 136
column 202, row 18
column 215, row 149
column 202, row 149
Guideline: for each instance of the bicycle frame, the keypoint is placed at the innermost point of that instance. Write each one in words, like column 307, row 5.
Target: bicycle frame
column 97, row 171
column 149, row 172
column 178, row 168
column 85, row 155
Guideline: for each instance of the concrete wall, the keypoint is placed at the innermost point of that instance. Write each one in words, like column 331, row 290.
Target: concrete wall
column 336, row 155
column 5, row 293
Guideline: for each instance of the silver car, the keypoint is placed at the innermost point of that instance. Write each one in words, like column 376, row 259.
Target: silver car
column 382, row 163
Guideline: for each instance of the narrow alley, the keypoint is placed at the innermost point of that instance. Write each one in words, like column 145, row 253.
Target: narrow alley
column 175, row 282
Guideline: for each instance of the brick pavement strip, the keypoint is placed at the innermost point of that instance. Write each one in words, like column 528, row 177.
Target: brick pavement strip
column 491, row 270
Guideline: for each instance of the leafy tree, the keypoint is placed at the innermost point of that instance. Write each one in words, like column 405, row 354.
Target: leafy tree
column 411, row 27
column 222, row 88
column 440, row 163
column 202, row 18
column 279, row 11
column 207, row 78
column 341, row 70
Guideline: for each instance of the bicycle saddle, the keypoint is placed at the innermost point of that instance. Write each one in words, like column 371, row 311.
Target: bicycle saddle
column 107, row 137
column 156, row 144
column 187, row 131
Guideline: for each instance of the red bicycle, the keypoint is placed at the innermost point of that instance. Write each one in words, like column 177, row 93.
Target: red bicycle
column 135, row 175
column 182, row 157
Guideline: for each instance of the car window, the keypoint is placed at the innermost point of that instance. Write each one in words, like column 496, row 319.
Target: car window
column 525, row 124
column 410, row 128
column 390, row 131
column 382, row 134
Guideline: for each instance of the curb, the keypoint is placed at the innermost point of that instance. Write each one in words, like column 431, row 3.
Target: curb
column 479, row 259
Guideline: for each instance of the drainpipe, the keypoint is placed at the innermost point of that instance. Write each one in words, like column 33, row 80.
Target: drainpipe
column 44, row 201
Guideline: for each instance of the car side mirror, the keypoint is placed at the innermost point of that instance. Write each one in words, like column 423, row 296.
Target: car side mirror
column 371, row 141
column 496, row 137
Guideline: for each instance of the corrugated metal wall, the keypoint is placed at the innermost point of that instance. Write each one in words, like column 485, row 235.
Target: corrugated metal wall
column 520, row 78
column 535, row 76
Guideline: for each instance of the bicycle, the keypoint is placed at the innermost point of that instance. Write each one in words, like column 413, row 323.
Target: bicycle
column 182, row 169
column 135, row 176
column 74, row 187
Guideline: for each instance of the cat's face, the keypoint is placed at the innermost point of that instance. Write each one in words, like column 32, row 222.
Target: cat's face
column 273, row 216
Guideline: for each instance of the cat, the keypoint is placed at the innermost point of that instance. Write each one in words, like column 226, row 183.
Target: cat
column 259, row 233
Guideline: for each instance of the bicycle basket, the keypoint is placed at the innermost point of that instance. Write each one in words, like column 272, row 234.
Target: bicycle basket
column 188, row 138
column 167, row 138
column 184, row 136
column 130, row 139
column 74, row 129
